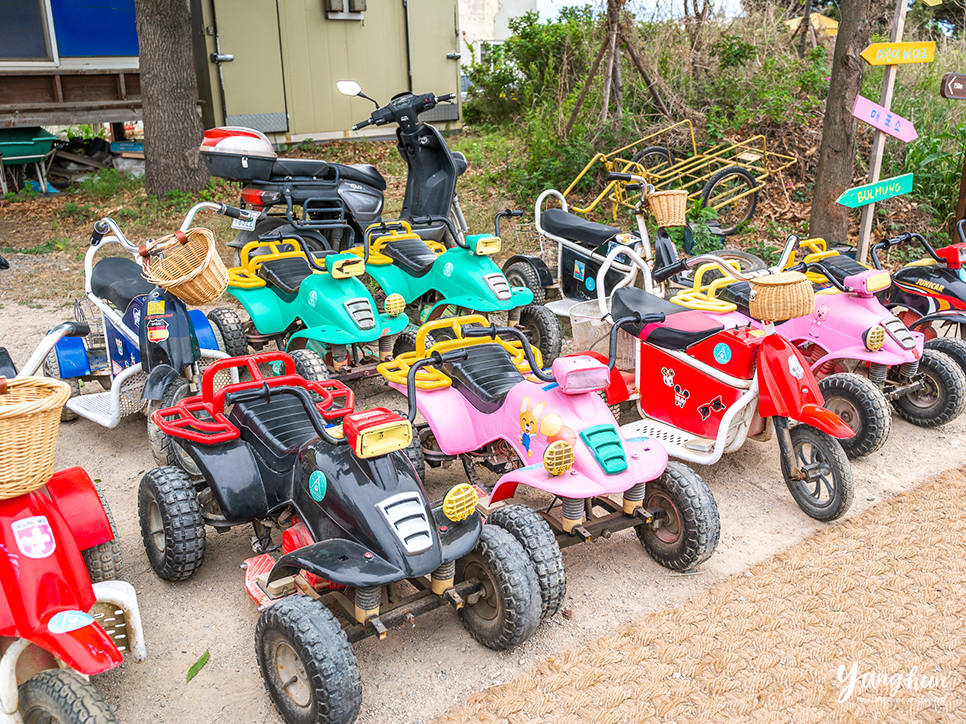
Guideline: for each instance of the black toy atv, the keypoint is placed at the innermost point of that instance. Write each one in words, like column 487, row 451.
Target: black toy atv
column 340, row 490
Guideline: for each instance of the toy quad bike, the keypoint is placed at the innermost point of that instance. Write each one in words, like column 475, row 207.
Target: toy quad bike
column 435, row 281
column 706, row 379
column 63, row 616
column 146, row 347
column 552, row 433
column 314, row 301
column 351, row 512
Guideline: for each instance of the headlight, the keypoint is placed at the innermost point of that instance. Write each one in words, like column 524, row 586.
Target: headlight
column 376, row 432
column 394, row 304
column 558, row 457
column 874, row 338
column 460, row 502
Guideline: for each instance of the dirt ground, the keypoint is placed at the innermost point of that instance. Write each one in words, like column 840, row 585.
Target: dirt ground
column 418, row 673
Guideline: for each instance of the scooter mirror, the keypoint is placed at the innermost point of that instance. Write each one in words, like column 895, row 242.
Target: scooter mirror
column 349, row 88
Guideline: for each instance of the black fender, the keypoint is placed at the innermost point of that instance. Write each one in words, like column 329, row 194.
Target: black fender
column 158, row 380
column 948, row 315
column 541, row 269
column 7, row 367
column 240, row 491
column 167, row 335
column 339, row 560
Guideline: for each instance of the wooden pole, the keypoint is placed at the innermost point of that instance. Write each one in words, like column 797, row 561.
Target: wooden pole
column 647, row 78
column 609, row 74
column 583, row 91
column 878, row 139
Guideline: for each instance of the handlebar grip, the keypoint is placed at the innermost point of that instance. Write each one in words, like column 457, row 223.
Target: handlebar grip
column 653, row 318
column 79, row 329
column 669, row 271
column 362, row 124
column 959, row 228
column 614, row 176
column 100, row 228
column 230, row 211
column 514, row 213
column 446, row 97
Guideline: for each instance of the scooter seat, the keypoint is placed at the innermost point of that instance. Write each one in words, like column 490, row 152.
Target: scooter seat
column 119, row 281
column 285, row 275
column 286, row 168
column 362, row 172
column 692, row 326
column 275, row 430
column 485, row 377
column 290, row 167
column 840, row 267
column 413, row 255
column 587, row 233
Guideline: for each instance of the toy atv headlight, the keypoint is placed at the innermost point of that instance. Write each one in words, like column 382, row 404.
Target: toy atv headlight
column 577, row 375
column 376, row 432
column 394, row 305
column 460, row 502
column 483, row 244
column 558, row 457
column 874, row 338
column 867, row 283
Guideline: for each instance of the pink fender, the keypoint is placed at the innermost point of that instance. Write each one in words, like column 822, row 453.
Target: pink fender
column 787, row 388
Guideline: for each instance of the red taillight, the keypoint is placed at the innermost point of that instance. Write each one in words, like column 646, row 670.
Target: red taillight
column 259, row 197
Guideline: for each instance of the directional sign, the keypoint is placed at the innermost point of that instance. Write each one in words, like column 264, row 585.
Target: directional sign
column 883, row 119
column 953, row 86
column 932, row 3
column 879, row 191
column 899, row 53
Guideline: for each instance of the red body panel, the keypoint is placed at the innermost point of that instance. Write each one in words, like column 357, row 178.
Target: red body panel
column 42, row 574
column 733, row 351
column 72, row 491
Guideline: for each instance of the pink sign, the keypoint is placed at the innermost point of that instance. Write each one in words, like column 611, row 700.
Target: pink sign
column 884, row 119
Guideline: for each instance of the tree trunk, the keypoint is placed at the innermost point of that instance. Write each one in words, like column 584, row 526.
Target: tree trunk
column 803, row 27
column 172, row 124
column 836, row 158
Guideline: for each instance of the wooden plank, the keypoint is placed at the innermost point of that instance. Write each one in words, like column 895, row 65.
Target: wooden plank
column 67, row 71
column 58, row 90
column 84, row 160
column 884, row 120
column 878, row 191
column 953, row 86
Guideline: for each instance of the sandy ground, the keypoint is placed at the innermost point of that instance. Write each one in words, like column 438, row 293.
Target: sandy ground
column 418, row 673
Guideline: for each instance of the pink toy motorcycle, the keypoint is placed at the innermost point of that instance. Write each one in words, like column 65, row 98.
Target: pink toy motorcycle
column 488, row 402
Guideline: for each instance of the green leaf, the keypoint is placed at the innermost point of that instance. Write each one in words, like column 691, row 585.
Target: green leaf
column 197, row 666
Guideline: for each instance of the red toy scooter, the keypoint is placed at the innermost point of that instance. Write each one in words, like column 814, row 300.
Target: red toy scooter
column 56, row 626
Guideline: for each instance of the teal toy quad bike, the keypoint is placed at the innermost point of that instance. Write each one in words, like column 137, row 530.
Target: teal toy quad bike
column 435, row 281
column 314, row 301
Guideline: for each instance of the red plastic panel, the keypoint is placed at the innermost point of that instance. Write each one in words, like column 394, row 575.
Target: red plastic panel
column 733, row 351
column 72, row 491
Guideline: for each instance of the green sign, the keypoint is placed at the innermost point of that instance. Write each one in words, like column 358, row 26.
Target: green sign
column 879, row 191
column 317, row 485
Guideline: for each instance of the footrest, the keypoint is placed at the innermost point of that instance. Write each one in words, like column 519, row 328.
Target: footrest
column 679, row 444
column 97, row 408
column 254, row 569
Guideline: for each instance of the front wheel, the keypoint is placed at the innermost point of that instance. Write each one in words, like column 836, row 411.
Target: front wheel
column 229, row 333
column 686, row 527
column 827, row 490
column 60, row 695
column 953, row 346
column 506, row 610
column 104, row 561
column 52, row 370
column 863, row 407
column 543, row 330
column 522, row 274
column 733, row 193
column 941, row 397
column 164, row 449
column 172, row 528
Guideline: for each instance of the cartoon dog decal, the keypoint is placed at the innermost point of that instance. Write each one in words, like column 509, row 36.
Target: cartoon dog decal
column 550, row 426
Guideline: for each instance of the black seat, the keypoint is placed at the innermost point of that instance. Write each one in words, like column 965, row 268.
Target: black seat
column 588, row 233
column 285, row 275
column 628, row 300
column 119, row 281
column 413, row 255
column 484, row 377
column 739, row 294
column 362, row 172
column 275, row 430
column 289, row 167
column 840, row 267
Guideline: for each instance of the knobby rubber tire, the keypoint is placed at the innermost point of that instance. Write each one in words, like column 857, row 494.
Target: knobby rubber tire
column 694, row 517
column 544, row 331
column 309, row 365
column 104, row 561
column 946, row 380
column 229, row 333
column 183, row 528
column 515, row 591
column 826, row 449
column 330, row 665
column 532, row 532
column 953, row 346
column 521, row 274
column 60, row 695
column 870, row 417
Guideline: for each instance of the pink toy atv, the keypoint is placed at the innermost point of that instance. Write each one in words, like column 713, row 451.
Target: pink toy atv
column 488, row 401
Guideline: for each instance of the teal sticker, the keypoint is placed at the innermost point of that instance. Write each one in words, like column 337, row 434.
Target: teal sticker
column 591, row 284
column 722, row 353
column 317, row 485
column 67, row 621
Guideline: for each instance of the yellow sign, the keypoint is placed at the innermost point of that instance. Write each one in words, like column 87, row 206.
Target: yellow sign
column 932, row 3
column 899, row 53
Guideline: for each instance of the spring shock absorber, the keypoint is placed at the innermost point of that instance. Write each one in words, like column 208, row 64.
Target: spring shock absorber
column 877, row 373
column 340, row 356
column 573, row 513
column 443, row 577
column 909, row 369
column 633, row 497
column 367, row 602
column 513, row 317
column 386, row 343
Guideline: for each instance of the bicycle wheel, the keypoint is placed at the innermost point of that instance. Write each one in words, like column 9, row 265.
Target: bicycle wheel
column 733, row 193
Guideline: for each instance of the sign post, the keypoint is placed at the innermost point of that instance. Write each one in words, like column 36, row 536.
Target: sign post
column 953, row 87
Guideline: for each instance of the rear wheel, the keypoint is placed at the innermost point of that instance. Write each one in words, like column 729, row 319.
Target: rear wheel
column 164, row 448
column 863, row 407
column 60, row 695
column 229, row 333
column 732, row 192
column 828, row 489
column 307, row 663
column 506, row 611
column 686, row 529
column 406, row 342
column 52, row 369
column 309, row 365
column 543, row 330
column 954, row 347
column 532, row 532
column 172, row 528
column 522, row 274
column 943, row 393
column 104, row 561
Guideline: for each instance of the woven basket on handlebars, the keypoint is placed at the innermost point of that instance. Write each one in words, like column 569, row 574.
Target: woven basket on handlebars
column 29, row 418
column 668, row 207
column 777, row 297
column 189, row 268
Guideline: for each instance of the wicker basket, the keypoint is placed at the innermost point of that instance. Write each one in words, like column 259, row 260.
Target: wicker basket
column 668, row 207
column 29, row 418
column 187, row 265
column 777, row 297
